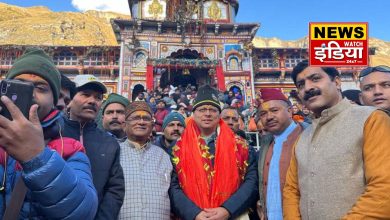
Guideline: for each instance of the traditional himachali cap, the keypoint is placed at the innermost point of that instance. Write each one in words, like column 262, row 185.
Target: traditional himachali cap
column 115, row 98
column 206, row 96
column 37, row 62
column 173, row 116
column 89, row 81
column 269, row 94
column 138, row 106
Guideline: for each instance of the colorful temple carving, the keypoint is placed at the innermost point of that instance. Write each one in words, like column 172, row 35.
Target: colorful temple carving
column 184, row 42
column 163, row 42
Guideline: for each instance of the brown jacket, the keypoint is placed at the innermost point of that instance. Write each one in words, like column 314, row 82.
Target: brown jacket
column 265, row 156
column 374, row 200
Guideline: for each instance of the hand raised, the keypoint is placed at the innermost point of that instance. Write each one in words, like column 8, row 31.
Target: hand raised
column 21, row 138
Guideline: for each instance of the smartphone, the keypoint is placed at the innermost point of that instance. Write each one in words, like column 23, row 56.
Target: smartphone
column 20, row 92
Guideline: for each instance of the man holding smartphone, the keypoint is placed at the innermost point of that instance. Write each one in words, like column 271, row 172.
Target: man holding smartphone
column 35, row 159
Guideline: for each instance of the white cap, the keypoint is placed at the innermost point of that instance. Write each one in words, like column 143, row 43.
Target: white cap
column 89, row 81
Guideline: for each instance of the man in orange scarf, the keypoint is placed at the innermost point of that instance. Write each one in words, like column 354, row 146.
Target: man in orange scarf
column 215, row 175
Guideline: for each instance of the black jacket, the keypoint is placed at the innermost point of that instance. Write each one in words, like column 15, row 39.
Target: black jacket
column 244, row 198
column 103, row 153
column 160, row 141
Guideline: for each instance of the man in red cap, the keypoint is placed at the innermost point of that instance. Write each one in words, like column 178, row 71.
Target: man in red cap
column 275, row 151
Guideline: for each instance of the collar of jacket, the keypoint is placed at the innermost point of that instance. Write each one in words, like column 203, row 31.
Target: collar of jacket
column 161, row 139
column 51, row 118
column 77, row 124
column 51, row 129
column 331, row 112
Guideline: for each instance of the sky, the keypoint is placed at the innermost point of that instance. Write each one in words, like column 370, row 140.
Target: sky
column 284, row 19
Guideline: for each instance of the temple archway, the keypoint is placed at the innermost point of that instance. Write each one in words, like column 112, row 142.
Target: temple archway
column 186, row 67
column 136, row 90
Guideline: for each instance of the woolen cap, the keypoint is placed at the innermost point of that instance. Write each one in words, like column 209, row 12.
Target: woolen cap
column 37, row 62
column 173, row 116
column 206, row 96
column 115, row 98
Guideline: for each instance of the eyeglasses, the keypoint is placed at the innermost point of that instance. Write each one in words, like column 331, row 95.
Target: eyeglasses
column 368, row 70
column 138, row 118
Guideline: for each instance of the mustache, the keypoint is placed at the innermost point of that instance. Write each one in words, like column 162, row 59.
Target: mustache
column 115, row 122
column 175, row 132
column 271, row 121
column 311, row 93
column 91, row 107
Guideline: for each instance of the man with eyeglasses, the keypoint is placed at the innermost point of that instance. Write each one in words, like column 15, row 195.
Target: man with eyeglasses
column 215, row 175
column 147, row 168
column 102, row 149
column 339, row 167
column 375, row 87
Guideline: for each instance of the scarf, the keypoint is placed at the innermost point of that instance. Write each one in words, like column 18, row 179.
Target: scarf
column 206, row 185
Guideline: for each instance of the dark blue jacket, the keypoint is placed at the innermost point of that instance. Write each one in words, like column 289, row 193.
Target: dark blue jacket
column 103, row 152
column 244, row 198
column 57, row 188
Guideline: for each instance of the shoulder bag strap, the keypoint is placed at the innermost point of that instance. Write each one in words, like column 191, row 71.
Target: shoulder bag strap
column 17, row 198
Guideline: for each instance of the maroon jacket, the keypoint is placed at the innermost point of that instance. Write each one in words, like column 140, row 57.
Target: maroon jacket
column 159, row 116
column 265, row 156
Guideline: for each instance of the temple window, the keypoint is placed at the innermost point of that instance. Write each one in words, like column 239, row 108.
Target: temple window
column 96, row 59
column 293, row 60
column 266, row 61
column 117, row 59
column 65, row 58
column 140, row 59
column 233, row 63
column 7, row 58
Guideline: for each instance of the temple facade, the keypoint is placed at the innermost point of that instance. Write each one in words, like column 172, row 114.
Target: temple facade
column 167, row 42
column 179, row 42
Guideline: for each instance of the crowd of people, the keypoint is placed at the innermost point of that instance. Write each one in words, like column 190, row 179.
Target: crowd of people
column 181, row 99
column 184, row 153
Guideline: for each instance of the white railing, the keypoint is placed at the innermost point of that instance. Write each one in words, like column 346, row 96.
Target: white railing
column 257, row 136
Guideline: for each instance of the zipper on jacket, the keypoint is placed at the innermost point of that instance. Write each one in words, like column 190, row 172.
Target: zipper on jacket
column 81, row 133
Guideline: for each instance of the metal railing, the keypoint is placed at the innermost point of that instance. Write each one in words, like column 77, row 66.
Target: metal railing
column 256, row 135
